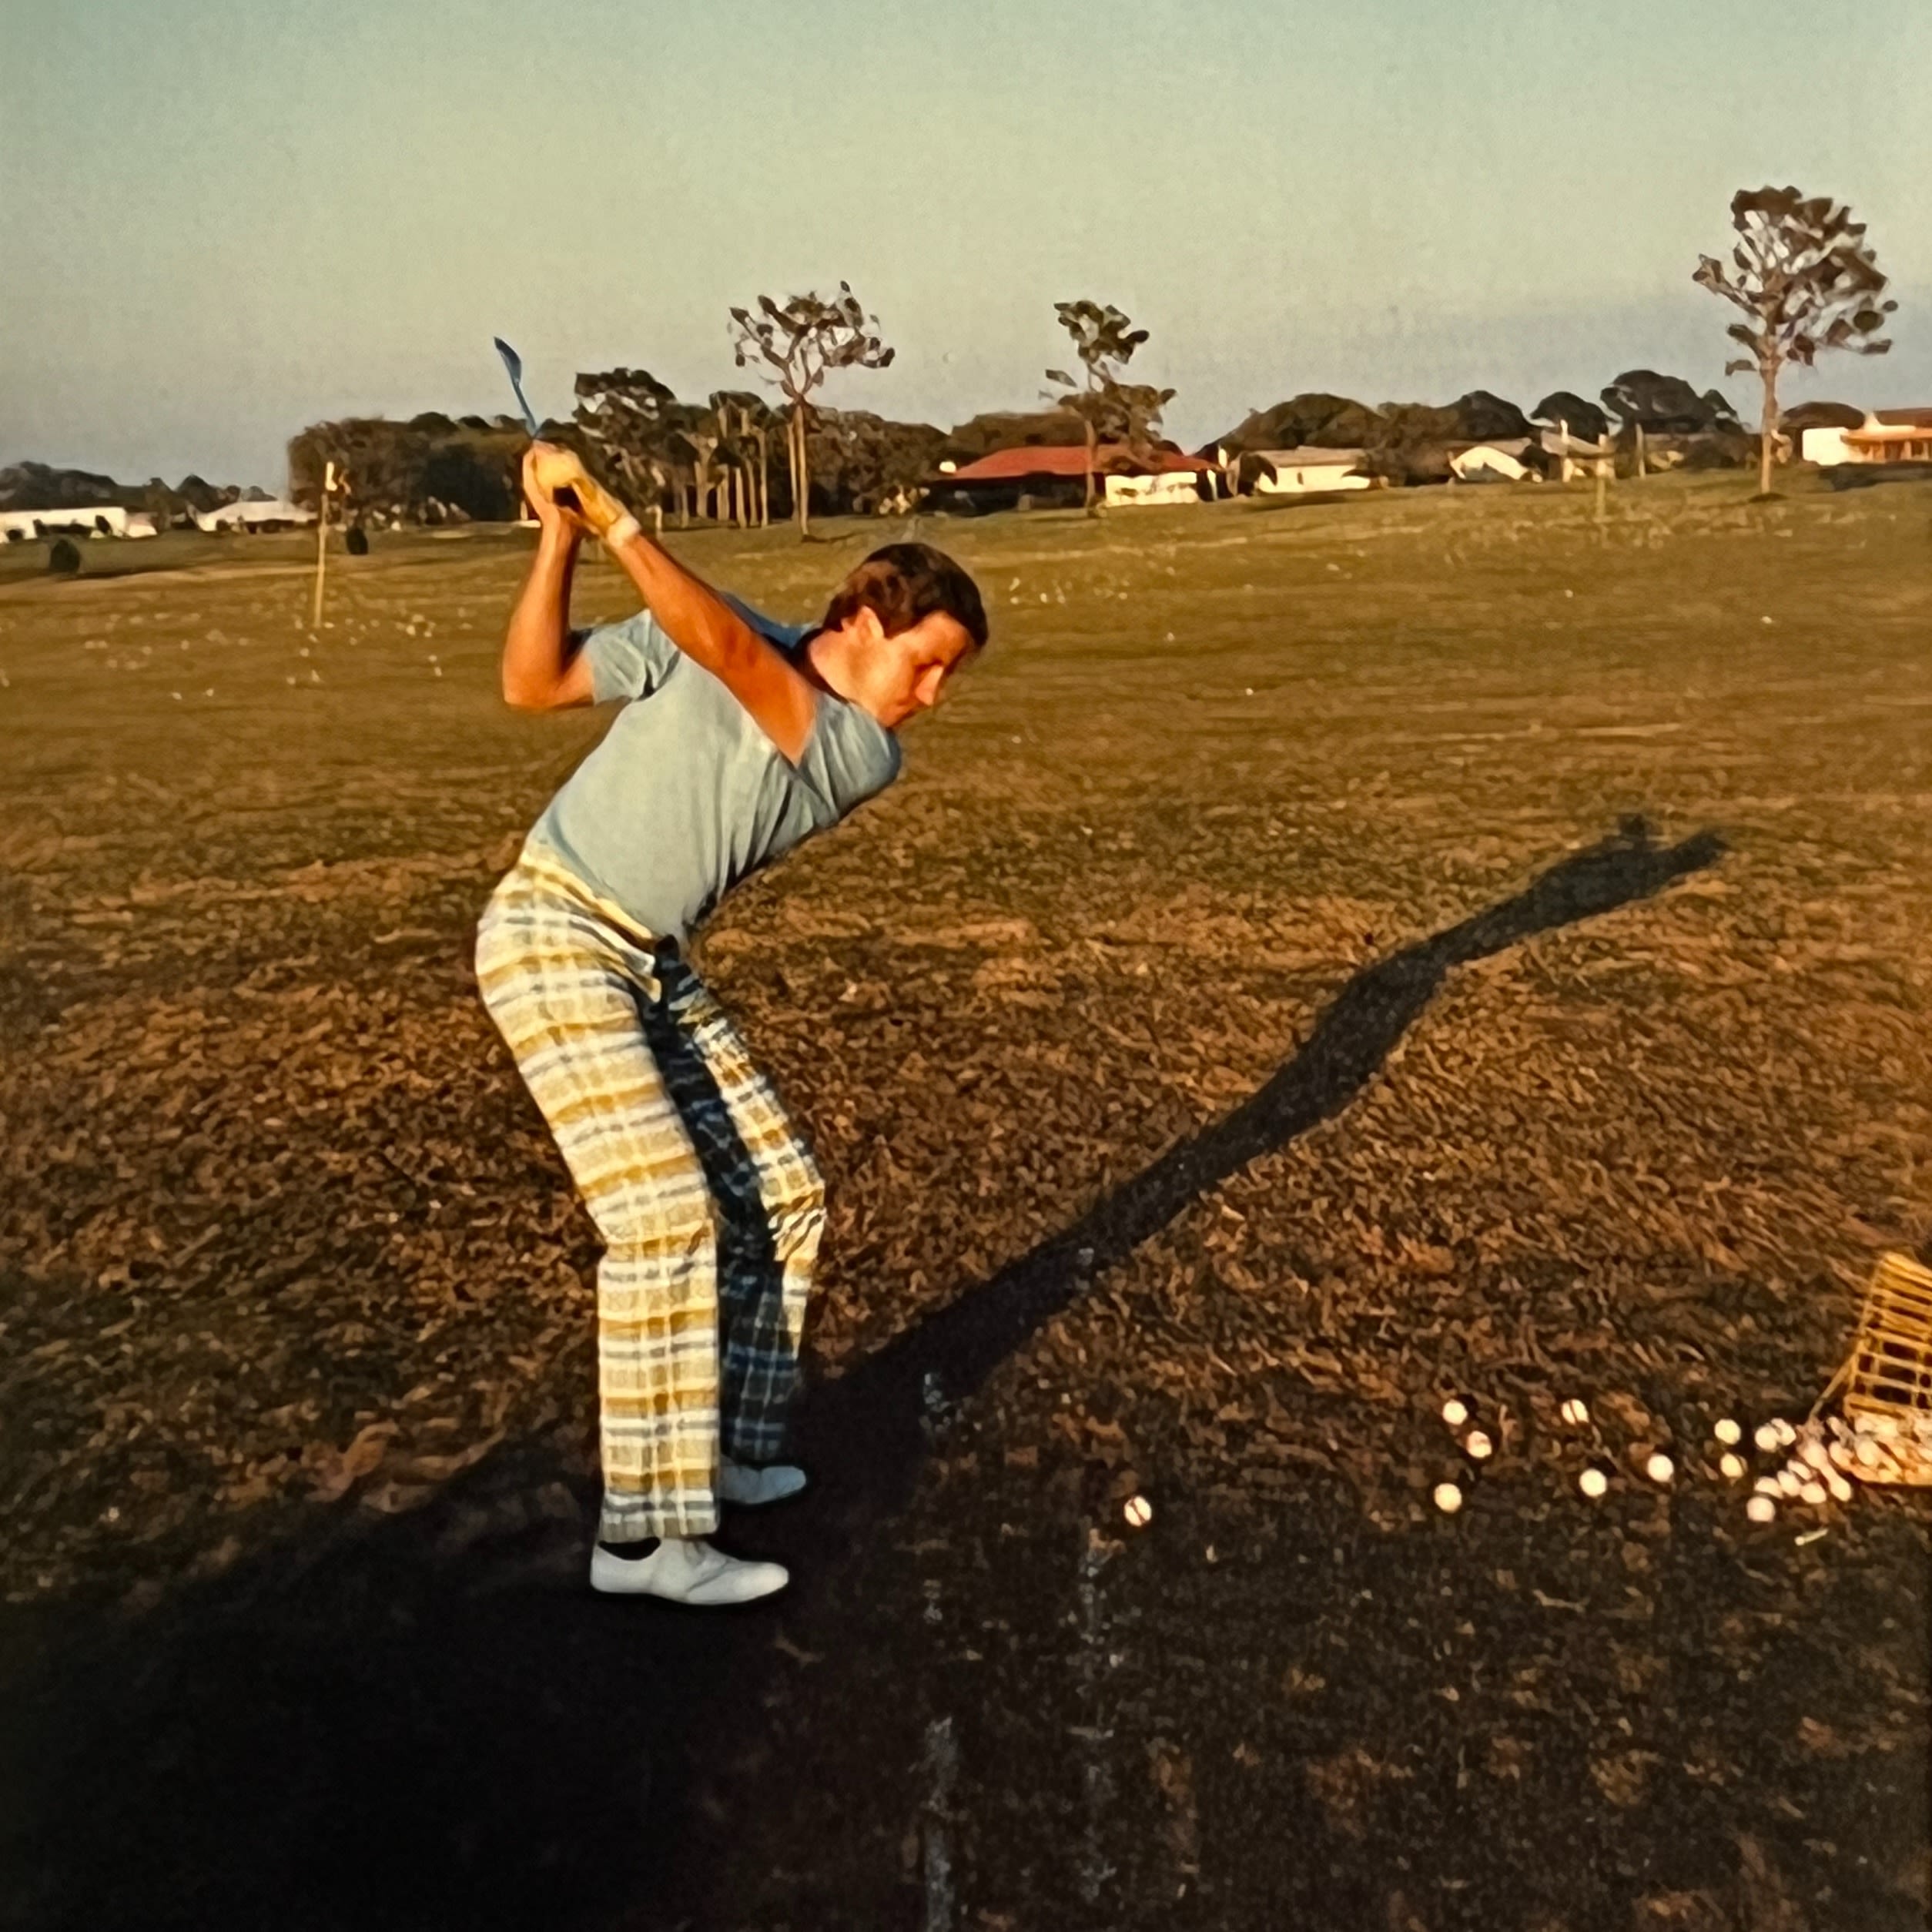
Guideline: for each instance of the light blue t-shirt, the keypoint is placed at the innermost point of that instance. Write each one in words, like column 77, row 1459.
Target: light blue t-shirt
column 685, row 795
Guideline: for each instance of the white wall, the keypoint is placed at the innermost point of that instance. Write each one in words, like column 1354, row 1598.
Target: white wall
column 1300, row 481
column 1176, row 486
column 1825, row 445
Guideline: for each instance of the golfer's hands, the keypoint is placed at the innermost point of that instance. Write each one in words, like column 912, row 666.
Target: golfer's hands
column 548, row 469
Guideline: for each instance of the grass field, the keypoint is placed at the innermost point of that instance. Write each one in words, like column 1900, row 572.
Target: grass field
column 295, row 1306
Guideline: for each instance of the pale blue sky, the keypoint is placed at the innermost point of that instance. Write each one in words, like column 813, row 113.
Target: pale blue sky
column 220, row 221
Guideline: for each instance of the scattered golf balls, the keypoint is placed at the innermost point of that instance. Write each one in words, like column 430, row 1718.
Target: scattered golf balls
column 1138, row 1511
column 1732, row 1465
column 1727, row 1431
column 1660, row 1468
column 1454, row 1413
column 1765, row 1437
column 1593, row 1482
column 1760, row 1509
column 1448, row 1498
column 1476, row 1445
column 1576, row 1411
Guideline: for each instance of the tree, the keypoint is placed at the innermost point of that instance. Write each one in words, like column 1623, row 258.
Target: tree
column 629, row 418
column 746, row 420
column 802, row 342
column 1805, row 280
column 1122, row 412
column 1666, row 405
column 1584, row 420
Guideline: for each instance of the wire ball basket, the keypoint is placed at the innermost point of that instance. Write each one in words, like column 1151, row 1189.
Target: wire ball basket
column 1885, row 1387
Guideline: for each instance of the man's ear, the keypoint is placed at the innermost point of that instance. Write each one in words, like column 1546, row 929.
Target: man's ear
column 866, row 626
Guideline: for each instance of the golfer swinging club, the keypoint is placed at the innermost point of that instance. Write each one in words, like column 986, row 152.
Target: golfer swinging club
column 738, row 737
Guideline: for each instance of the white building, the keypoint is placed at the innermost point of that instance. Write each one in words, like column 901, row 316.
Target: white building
column 1165, row 486
column 274, row 513
column 1887, row 436
column 1500, row 462
column 96, row 520
column 1577, row 455
column 1307, row 471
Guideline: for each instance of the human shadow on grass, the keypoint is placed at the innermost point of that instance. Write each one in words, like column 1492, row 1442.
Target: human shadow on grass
column 864, row 1430
column 426, row 1719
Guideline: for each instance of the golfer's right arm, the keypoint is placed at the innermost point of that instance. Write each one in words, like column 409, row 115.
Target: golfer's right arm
column 541, row 669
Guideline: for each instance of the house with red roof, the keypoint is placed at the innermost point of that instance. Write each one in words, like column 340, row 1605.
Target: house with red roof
column 1037, row 475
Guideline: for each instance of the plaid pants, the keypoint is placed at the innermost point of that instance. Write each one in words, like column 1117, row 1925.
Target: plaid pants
column 708, row 1201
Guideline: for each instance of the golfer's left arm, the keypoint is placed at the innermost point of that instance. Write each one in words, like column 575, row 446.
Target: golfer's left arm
column 542, row 668
column 689, row 612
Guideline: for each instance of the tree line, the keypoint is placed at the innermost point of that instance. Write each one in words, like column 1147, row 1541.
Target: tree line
column 1801, row 275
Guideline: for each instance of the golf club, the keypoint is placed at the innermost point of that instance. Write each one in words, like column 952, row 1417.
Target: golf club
column 513, row 363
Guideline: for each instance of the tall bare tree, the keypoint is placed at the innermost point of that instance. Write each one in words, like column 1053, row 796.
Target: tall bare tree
column 1107, row 405
column 801, row 342
column 1806, row 281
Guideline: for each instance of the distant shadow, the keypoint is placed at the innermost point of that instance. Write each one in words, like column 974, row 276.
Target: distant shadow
column 428, row 1720
column 863, row 1431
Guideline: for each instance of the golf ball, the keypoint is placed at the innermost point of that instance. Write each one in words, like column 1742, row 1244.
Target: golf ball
column 1783, row 1430
column 1138, row 1511
column 1660, row 1468
column 1727, row 1431
column 1732, row 1465
column 1840, row 1488
column 1760, row 1509
column 1477, row 1445
column 1454, row 1413
column 1593, row 1482
column 1765, row 1437
column 1576, row 1411
column 1813, row 1493
column 1448, row 1498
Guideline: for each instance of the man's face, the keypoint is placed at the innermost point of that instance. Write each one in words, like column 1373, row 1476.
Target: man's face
column 902, row 676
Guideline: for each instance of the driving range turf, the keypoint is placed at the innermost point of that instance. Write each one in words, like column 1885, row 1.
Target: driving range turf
column 1322, row 960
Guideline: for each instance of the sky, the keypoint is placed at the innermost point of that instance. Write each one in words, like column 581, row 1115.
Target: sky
column 221, row 221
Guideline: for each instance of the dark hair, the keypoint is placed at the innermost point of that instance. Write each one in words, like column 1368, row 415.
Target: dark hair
column 904, row 583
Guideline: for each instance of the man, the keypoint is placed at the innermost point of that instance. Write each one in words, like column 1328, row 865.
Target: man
column 737, row 738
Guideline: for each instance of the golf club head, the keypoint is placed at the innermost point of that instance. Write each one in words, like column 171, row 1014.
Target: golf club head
column 513, row 367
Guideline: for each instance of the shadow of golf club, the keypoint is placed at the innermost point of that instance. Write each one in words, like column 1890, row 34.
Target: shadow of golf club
column 426, row 1720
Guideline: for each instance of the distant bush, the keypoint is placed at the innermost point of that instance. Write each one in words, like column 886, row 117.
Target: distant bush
column 64, row 559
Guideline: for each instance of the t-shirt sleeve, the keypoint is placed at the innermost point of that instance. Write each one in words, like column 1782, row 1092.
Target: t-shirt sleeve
column 627, row 659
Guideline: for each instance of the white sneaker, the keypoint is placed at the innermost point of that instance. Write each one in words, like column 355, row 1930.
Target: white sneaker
column 685, row 1570
column 748, row 1486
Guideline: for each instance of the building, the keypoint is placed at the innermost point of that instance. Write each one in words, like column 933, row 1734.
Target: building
column 95, row 520
column 1577, row 455
column 1304, row 471
column 1886, row 436
column 264, row 513
column 1035, row 475
column 1498, row 462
